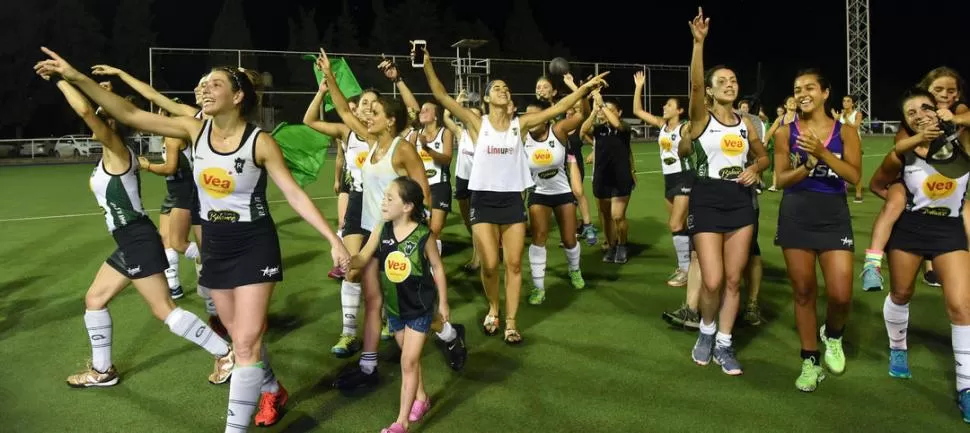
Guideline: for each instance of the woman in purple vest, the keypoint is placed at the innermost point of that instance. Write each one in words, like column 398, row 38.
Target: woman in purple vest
column 815, row 157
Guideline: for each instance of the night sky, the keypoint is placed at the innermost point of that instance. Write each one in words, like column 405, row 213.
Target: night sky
column 908, row 38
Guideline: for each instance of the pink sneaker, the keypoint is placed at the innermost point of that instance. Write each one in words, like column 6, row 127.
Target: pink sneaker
column 395, row 428
column 336, row 273
column 418, row 409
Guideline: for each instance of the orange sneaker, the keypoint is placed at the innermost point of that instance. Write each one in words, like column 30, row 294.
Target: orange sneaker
column 270, row 407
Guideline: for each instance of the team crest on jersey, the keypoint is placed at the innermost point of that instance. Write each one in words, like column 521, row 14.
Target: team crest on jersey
column 515, row 131
column 430, row 173
column 673, row 137
column 409, row 247
column 552, row 144
column 239, row 163
column 744, row 134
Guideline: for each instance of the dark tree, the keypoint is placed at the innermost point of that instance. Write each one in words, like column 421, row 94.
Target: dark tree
column 523, row 40
column 231, row 29
column 304, row 38
column 342, row 33
column 131, row 36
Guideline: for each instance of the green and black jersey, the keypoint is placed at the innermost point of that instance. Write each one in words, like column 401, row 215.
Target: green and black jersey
column 409, row 288
column 118, row 195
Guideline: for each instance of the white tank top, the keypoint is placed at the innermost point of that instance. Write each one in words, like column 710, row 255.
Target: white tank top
column 670, row 160
column 500, row 164
column 722, row 151
column 547, row 161
column 466, row 153
column 848, row 118
column 377, row 177
column 355, row 153
column 232, row 188
column 118, row 195
column 929, row 192
column 436, row 173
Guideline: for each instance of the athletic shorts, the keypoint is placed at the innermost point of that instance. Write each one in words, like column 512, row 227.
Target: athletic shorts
column 809, row 220
column 420, row 324
column 180, row 193
column 461, row 189
column 927, row 235
column 604, row 189
column 441, row 196
column 551, row 200
column 719, row 206
column 678, row 184
column 237, row 254
column 574, row 154
column 501, row 208
column 140, row 252
column 355, row 208
column 196, row 209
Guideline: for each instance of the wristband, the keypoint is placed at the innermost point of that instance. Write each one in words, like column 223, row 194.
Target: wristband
column 57, row 78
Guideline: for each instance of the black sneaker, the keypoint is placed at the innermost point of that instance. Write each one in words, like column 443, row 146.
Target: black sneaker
column 456, row 352
column 610, row 256
column 354, row 377
column 620, row 254
column 176, row 293
column 930, row 278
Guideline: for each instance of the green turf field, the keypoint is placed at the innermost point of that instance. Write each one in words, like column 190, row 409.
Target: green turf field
column 598, row 360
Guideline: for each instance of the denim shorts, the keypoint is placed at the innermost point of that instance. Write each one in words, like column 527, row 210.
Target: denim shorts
column 421, row 324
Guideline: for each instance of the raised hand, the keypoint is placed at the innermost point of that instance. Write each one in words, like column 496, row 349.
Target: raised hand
column 105, row 70
column 56, row 65
column 639, row 79
column 700, row 26
column 597, row 82
column 389, row 69
column 323, row 62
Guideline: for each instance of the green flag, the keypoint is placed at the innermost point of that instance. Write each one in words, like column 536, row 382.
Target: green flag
column 304, row 150
column 345, row 79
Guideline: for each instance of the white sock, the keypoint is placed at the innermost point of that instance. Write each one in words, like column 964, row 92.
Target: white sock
column 572, row 257
column 172, row 273
column 350, row 305
column 210, row 305
column 722, row 340
column 190, row 327
column 438, row 242
column 708, row 328
column 960, row 335
column 447, row 333
column 243, row 397
column 98, row 323
column 897, row 322
column 682, row 246
column 270, row 384
column 537, row 262
column 192, row 252
column 368, row 362
column 198, row 268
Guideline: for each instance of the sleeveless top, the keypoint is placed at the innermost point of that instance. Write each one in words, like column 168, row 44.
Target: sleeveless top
column 435, row 172
column 118, row 195
column 929, row 192
column 670, row 160
column 377, row 177
column 355, row 153
column 499, row 164
column 547, row 162
column 232, row 188
column 721, row 151
column 466, row 153
column 823, row 179
column 848, row 118
column 183, row 169
column 406, row 280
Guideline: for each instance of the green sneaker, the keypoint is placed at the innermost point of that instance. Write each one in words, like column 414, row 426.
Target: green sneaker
column 347, row 345
column 386, row 332
column 811, row 376
column 537, row 296
column 576, row 277
column 834, row 356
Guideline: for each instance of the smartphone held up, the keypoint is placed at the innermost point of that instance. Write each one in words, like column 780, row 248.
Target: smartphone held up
column 417, row 53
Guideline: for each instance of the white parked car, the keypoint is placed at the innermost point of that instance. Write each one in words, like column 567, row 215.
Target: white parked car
column 76, row 145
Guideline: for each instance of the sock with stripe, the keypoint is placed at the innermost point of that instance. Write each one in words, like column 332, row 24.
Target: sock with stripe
column 210, row 305
column 350, row 305
column 682, row 246
column 98, row 323
column 537, row 262
column 270, row 384
column 960, row 335
column 243, row 397
column 448, row 333
column 368, row 362
column 172, row 272
column 572, row 257
column 897, row 322
column 874, row 258
column 190, row 327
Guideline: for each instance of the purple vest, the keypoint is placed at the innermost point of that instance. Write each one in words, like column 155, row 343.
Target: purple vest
column 823, row 179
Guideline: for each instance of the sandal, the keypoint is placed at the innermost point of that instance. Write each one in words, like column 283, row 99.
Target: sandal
column 490, row 325
column 512, row 336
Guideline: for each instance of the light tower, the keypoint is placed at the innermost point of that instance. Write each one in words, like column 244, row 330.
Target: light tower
column 470, row 71
column 857, row 53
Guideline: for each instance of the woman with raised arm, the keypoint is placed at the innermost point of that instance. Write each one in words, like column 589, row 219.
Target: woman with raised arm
column 390, row 157
column 721, row 216
column 787, row 114
column 139, row 258
column 575, row 163
column 233, row 159
column 148, row 92
column 351, row 154
column 499, row 175
column 677, row 171
column 463, row 169
column 815, row 156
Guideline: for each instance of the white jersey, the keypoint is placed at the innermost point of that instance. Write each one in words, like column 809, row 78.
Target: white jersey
column 721, row 150
column 670, row 160
column 466, row 153
column 929, row 192
column 435, row 172
column 232, row 188
column 355, row 153
column 118, row 195
column 500, row 164
column 547, row 161
column 377, row 178
column 848, row 118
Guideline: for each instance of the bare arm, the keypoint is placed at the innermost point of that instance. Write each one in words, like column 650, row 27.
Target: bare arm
column 849, row 167
column 905, row 142
column 447, row 144
column 146, row 91
column 472, row 122
column 359, row 260
column 338, row 168
column 438, row 273
column 697, row 109
column 638, row 109
column 102, row 132
column 757, row 147
column 786, row 174
column 172, row 148
column 563, row 127
column 885, row 175
column 406, row 158
column 686, row 145
column 527, row 121
column 312, row 117
column 340, row 101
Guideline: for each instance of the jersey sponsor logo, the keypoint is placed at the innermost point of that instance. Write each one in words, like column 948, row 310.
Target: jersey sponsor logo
column 732, row 145
column 425, row 156
column 495, row 150
column 670, row 161
column 937, row 186
column 397, row 267
column 730, row 173
column 666, row 144
column 361, row 157
column 429, row 173
column 217, row 182
column 941, row 211
column 222, row 216
column 549, row 174
column 542, row 157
